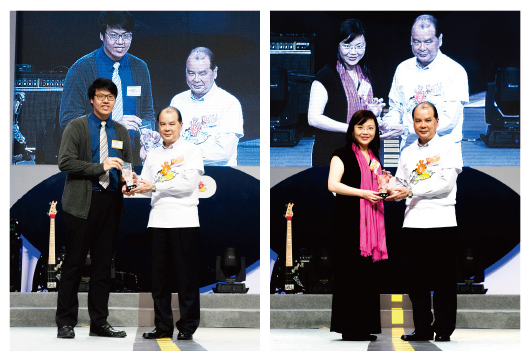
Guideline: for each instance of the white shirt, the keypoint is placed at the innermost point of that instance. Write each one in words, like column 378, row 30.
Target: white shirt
column 175, row 171
column 214, row 122
column 443, row 83
column 431, row 172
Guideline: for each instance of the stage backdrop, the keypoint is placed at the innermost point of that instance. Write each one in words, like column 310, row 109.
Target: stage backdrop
column 229, row 218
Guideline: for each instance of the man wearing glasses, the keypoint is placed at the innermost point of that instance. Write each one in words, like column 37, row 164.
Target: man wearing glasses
column 428, row 76
column 93, row 148
column 134, row 103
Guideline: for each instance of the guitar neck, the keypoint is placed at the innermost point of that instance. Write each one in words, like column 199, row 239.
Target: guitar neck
column 289, row 245
column 51, row 253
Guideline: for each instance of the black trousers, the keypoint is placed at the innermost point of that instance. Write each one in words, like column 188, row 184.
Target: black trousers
column 97, row 233
column 431, row 259
column 175, row 254
column 355, row 307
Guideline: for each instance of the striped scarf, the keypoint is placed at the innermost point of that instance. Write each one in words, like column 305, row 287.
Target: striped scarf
column 355, row 102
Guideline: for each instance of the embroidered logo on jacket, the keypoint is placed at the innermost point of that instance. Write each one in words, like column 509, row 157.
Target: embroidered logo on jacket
column 424, row 169
column 169, row 170
column 200, row 129
column 422, row 94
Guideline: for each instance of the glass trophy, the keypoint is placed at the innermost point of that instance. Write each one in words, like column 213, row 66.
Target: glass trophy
column 383, row 181
column 127, row 171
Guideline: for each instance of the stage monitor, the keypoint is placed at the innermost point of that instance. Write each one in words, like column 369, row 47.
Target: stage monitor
column 508, row 93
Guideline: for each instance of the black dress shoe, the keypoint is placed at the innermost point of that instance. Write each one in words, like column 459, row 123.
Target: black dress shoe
column 417, row 337
column 157, row 334
column 66, row 332
column 107, row 331
column 357, row 337
column 183, row 335
column 442, row 338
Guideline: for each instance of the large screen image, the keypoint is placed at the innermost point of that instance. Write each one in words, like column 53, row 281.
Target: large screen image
column 470, row 70
column 59, row 54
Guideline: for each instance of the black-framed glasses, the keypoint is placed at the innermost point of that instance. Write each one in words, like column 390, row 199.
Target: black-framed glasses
column 109, row 97
column 114, row 37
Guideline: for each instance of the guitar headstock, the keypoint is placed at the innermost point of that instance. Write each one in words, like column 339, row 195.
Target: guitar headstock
column 53, row 210
column 289, row 212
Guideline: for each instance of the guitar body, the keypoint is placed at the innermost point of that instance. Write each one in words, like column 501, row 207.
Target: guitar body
column 47, row 276
column 51, row 281
column 289, row 280
column 286, row 280
column 53, row 274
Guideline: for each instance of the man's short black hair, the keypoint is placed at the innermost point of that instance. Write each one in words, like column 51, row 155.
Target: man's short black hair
column 115, row 19
column 426, row 20
column 101, row 84
column 202, row 51
column 170, row 109
column 424, row 105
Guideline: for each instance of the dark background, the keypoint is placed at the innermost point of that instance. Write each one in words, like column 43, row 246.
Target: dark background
column 52, row 41
column 480, row 41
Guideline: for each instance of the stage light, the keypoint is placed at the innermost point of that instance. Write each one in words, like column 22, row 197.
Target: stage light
column 503, row 109
column 230, row 270
column 471, row 273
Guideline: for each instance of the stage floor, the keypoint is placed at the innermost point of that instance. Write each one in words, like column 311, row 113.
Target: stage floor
column 238, row 339
column 389, row 340
column 204, row 339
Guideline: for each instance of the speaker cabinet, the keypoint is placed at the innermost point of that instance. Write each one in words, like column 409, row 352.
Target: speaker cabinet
column 292, row 70
column 294, row 53
column 38, row 115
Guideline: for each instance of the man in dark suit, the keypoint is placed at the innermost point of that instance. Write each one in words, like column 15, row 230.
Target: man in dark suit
column 93, row 148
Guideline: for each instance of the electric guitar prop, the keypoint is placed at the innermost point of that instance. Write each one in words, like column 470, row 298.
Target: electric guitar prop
column 289, row 282
column 286, row 275
column 53, row 267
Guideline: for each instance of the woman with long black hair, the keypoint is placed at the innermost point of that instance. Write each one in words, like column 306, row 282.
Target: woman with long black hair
column 339, row 90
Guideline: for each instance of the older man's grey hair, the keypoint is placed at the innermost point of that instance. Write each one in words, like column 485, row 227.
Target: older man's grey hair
column 425, row 21
column 200, row 53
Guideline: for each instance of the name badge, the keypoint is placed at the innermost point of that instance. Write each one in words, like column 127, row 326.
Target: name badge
column 134, row 91
column 117, row 144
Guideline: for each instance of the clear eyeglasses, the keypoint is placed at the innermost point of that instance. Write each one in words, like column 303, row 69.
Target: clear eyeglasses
column 360, row 46
column 114, row 37
column 109, row 97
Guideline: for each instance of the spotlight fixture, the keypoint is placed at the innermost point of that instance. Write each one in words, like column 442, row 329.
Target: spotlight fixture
column 230, row 271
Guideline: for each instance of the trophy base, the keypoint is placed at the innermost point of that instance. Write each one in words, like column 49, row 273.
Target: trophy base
column 383, row 195
column 130, row 187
